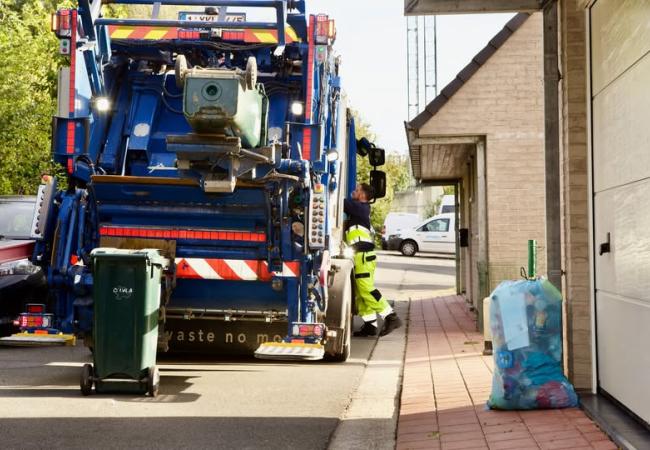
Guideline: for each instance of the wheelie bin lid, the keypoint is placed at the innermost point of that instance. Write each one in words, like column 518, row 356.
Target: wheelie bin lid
column 150, row 254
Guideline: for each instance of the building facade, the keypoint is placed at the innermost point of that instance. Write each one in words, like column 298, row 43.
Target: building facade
column 485, row 131
column 603, row 58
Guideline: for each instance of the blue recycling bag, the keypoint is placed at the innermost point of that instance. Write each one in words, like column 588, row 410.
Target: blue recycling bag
column 526, row 325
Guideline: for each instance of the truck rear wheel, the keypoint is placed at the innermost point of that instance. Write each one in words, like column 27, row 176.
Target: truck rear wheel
column 339, row 313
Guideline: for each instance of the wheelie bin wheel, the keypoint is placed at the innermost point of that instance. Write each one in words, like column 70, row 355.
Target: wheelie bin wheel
column 153, row 381
column 86, row 381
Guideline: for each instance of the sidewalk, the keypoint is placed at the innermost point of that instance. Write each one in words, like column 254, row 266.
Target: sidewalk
column 447, row 381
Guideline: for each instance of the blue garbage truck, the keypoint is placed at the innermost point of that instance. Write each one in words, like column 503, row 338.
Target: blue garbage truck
column 220, row 137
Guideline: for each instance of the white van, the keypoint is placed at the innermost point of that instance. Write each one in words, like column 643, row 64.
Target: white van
column 394, row 223
column 448, row 204
column 436, row 235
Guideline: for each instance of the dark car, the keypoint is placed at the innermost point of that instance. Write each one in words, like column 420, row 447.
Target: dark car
column 21, row 282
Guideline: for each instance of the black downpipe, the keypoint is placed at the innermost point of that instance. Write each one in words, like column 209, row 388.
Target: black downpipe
column 552, row 146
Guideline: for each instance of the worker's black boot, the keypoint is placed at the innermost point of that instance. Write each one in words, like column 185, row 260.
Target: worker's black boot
column 391, row 322
column 368, row 329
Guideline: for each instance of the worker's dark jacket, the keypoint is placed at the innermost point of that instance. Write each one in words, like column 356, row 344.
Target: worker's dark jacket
column 358, row 214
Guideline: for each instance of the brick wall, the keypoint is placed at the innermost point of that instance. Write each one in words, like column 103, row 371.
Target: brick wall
column 574, row 158
column 504, row 102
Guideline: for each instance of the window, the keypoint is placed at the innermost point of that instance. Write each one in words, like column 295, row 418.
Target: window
column 438, row 225
column 448, row 209
column 16, row 218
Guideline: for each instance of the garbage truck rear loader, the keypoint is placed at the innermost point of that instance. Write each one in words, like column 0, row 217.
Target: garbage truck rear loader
column 225, row 143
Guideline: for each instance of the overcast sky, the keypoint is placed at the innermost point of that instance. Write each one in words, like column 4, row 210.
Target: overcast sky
column 372, row 42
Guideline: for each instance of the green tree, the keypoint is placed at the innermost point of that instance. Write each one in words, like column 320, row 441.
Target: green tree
column 28, row 82
column 27, row 93
column 397, row 174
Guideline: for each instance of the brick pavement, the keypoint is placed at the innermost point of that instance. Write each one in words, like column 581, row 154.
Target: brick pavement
column 447, row 381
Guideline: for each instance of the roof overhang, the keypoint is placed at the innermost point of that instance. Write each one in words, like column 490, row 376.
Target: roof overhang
column 440, row 158
column 429, row 7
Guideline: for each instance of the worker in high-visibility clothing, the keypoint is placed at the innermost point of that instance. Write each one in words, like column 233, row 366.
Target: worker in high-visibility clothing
column 369, row 301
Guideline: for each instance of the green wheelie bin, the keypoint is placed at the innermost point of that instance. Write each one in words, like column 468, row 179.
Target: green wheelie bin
column 126, row 294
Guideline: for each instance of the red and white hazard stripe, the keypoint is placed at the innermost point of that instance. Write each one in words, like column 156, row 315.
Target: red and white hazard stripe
column 232, row 269
column 251, row 36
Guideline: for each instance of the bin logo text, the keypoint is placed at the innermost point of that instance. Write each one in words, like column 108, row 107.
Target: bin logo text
column 122, row 292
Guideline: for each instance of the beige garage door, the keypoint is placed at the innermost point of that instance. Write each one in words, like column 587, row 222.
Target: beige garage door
column 620, row 46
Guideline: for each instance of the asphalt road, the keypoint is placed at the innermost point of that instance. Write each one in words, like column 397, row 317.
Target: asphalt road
column 214, row 403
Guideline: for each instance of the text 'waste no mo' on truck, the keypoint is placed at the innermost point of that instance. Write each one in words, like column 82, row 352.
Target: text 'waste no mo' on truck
column 225, row 143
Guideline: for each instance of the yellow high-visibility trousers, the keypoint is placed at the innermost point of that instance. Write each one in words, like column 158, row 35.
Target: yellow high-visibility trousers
column 368, row 299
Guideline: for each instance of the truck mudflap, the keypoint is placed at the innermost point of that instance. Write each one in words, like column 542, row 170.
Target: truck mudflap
column 292, row 350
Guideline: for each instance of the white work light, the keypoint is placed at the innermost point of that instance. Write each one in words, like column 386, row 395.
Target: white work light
column 297, row 108
column 102, row 104
column 332, row 155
